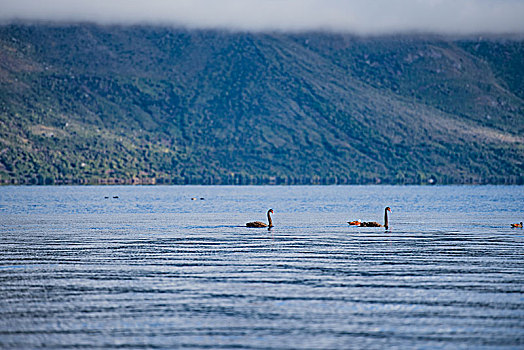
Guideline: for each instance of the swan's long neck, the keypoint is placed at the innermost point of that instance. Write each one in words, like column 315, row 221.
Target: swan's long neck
column 269, row 219
column 386, row 224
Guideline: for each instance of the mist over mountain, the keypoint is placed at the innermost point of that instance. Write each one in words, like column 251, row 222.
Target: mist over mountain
column 150, row 104
column 361, row 17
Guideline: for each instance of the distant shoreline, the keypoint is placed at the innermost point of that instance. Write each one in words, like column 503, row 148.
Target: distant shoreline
column 162, row 182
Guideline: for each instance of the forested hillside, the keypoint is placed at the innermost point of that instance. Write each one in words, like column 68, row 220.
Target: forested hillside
column 109, row 104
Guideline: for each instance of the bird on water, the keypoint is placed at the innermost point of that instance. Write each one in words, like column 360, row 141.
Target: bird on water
column 262, row 224
column 517, row 225
column 373, row 223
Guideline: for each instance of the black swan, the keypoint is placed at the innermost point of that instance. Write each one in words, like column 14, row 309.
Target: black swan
column 261, row 224
column 373, row 223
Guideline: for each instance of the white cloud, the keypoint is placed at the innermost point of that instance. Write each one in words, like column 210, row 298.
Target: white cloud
column 357, row 16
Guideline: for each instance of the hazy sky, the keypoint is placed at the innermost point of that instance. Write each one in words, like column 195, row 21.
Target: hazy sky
column 357, row 16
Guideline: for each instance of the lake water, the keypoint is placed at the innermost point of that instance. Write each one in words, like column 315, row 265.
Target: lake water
column 155, row 269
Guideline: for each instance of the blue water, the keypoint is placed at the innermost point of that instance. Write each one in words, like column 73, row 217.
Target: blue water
column 155, row 269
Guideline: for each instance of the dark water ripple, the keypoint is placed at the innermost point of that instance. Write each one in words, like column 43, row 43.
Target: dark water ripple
column 78, row 273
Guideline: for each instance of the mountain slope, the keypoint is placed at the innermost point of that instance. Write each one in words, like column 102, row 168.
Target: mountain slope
column 85, row 103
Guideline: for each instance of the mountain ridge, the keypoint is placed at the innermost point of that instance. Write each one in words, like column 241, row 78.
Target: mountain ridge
column 163, row 105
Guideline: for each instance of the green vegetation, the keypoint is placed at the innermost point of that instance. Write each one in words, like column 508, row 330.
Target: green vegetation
column 95, row 104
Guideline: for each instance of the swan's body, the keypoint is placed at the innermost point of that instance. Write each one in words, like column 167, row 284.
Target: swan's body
column 260, row 223
column 370, row 224
column 517, row 225
column 373, row 223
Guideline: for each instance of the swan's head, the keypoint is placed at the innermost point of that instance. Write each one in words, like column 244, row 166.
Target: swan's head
column 270, row 211
column 388, row 209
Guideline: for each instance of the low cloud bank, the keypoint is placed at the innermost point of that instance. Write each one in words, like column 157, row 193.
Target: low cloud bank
column 354, row 16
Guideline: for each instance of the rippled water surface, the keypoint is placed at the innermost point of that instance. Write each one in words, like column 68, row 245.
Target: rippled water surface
column 155, row 269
